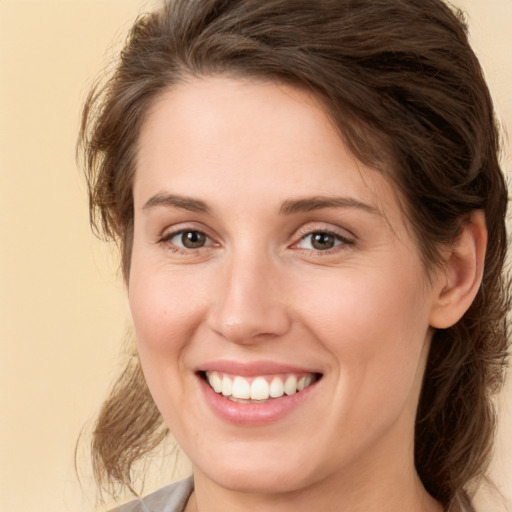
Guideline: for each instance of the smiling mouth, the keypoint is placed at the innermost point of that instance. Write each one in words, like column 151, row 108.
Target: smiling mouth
column 258, row 389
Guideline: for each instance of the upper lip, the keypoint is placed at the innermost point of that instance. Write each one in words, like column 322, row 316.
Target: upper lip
column 252, row 368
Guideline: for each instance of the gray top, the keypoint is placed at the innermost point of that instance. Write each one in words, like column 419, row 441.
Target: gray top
column 172, row 498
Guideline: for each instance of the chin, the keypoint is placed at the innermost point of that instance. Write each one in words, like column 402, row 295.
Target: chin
column 259, row 469
column 262, row 480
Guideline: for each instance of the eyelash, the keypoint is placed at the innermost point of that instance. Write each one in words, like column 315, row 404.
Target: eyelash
column 339, row 241
column 166, row 240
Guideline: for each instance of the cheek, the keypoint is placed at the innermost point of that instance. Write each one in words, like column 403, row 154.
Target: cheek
column 364, row 305
column 165, row 318
column 374, row 325
column 165, row 306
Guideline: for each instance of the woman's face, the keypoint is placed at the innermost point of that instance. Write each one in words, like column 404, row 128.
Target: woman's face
column 267, row 259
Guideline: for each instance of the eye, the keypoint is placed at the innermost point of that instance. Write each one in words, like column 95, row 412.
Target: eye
column 187, row 239
column 321, row 241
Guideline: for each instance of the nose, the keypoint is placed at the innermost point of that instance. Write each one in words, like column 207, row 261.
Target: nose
column 249, row 304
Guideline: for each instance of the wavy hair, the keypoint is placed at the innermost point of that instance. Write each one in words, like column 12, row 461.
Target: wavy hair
column 407, row 93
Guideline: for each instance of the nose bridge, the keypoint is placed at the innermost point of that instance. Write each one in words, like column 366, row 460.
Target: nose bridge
column 249, row 304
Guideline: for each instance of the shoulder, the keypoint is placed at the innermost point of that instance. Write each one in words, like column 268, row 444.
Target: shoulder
column 171, row 498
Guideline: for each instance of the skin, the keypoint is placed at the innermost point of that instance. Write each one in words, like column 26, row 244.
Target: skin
column 360, row 313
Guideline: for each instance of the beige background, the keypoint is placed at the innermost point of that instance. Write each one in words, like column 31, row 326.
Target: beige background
column 63, row 313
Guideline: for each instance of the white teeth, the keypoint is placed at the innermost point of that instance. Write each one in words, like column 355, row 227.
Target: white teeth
column 227, row 386
column 259, row 389
column 237, row 387
column 290, row 386
column 276, row 387
column 215, row 382
column 241, row 388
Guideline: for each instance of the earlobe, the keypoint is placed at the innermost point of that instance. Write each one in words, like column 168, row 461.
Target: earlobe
column 461, row 275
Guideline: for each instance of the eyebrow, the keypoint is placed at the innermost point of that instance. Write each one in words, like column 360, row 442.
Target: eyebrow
column 289, row 207
column 182, row 202
column 309, row 204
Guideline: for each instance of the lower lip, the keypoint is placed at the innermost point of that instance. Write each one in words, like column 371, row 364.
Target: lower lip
column 254, row 413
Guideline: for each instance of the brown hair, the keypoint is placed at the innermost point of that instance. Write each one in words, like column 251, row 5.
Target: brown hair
column 405, row 90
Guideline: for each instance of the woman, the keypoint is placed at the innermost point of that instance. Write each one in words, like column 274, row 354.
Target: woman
column 311, row 217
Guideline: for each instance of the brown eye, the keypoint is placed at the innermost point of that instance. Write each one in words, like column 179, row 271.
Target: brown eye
column 322, row 241
column 188, row 239
column 192, row 239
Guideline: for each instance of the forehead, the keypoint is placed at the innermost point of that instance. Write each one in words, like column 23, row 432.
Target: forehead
column 224, row 136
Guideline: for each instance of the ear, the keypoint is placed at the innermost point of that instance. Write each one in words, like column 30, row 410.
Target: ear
column 461, row 274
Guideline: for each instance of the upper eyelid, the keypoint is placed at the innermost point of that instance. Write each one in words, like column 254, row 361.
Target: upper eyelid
column 185, row 226
column 331, row 233
column 172, row 233
column 313, row 227
column 324, row 230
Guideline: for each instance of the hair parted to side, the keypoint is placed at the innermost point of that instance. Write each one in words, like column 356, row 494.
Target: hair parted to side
column 407, row 93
